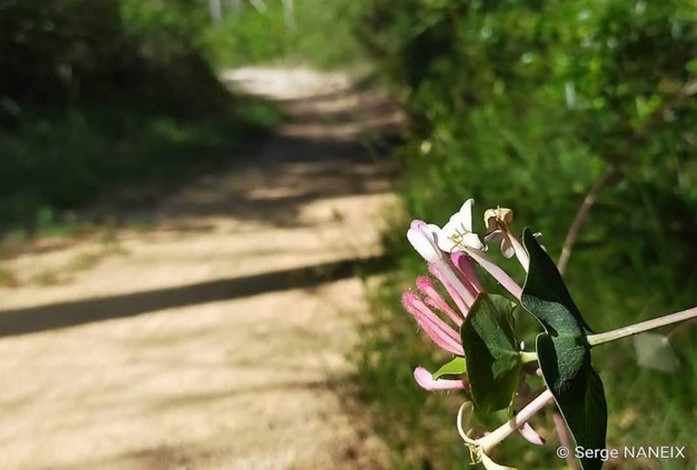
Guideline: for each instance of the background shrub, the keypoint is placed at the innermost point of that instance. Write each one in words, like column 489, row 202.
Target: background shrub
column 320, row 34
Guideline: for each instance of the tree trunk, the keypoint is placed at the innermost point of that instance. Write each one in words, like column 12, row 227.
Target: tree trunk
column 216, row 8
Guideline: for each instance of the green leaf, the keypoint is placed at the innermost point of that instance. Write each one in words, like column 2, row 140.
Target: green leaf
column 577, row 389
column 491, row 352
column 456, row 367
column 564, row 353
column 546, row 294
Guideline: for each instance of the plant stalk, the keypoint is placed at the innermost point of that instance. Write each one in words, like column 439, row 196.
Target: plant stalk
column 506, row 429
column 528, row 356
column 647, row 325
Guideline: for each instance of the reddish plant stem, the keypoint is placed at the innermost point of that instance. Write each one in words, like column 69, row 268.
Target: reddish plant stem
column 582, row 215
column 564, row 439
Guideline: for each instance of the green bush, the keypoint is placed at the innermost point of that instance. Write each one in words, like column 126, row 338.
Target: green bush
column 67, row 51
column 526, row 104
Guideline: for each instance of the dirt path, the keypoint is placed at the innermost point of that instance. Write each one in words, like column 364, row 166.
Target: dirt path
column 212, row 340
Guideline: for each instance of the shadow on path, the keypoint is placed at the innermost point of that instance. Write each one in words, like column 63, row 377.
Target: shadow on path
column 67, row 314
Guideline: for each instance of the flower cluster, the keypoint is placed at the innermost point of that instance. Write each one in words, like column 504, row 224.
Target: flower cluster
column 451, row 253
column 478, row 328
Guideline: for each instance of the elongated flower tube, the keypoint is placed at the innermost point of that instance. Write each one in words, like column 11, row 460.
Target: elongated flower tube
column 438, row 319
column 442, row 334
column 426, row 381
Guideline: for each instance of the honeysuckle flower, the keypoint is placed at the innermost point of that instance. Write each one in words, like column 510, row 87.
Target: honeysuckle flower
column 437, row 317
column 498, row 223
column 425, row 238
column 457, row 234
column 442, row 334
column 426, row 381
column 480, row 447
column 449, row 253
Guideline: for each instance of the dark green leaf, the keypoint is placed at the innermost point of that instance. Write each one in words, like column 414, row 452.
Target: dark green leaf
column 456, row 367
column 564, row 353
column 578, row 390
column 491, row 352
column 546, row 295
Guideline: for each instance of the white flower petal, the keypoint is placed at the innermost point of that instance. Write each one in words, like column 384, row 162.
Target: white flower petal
column 465, row 213
column 435, row 230
column 507, row 248
column 520, row 252
column 423, row 238
column 447, row 244
column 457, row 234
column 530, row 434
column 472, row 240
column 464, row 416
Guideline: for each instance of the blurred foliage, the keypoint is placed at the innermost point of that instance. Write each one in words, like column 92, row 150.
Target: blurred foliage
column 526, row 104
column 58, row 162
column 66, row 51
column 96, row 94
column 319, row 34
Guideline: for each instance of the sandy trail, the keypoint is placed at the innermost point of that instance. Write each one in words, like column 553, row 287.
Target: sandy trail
column 213, row 339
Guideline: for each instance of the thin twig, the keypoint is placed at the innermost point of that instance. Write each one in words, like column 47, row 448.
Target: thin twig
column 582, row 215
column 688, row 89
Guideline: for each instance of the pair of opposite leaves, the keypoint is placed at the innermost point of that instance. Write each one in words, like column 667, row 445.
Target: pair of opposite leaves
column 493, row 360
